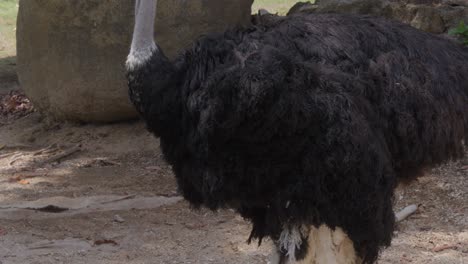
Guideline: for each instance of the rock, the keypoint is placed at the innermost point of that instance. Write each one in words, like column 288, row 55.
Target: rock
column 302, row 7
column 118, row 219
column 263, row 12
column 179, row 22
column 71, row 54
column 351, row 6
column 264, row 18
column 428, row 19
column 435, row 16
column 455, row 2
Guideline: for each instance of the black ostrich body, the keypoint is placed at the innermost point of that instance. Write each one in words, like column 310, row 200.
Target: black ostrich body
column 310, row 120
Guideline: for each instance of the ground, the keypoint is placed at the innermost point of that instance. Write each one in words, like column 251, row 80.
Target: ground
column 116, row 200
column 124, row 206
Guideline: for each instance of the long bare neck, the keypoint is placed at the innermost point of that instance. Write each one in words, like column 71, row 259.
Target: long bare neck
column 143, row 44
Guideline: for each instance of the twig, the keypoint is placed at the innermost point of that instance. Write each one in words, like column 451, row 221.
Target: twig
column 110, row 162
column 15, row 158
column 19, row 156
column 62, row 155
column 101, row 162
column 120, row 199
column 7, row 155
column 16, row 146
column 407, row 211
column 51, row 148
column 444, row 247
column 24, row 176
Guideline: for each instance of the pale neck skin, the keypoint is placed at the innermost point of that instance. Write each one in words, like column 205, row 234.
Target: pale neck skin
column 143, row 44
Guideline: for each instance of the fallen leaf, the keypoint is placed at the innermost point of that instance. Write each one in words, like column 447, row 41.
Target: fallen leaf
column 444, row 247
column 101, row 163
column 21, row 179
column 23, row 182
column 16, row 104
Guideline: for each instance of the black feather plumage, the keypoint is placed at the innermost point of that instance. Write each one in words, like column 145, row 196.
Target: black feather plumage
column 309, row 120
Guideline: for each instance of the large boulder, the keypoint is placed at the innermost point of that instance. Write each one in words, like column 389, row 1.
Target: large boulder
column 435, row 16
column 71, row 54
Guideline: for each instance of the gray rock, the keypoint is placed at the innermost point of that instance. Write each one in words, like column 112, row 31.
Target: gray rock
column 300, row 7
column 455, row 2
column 118, row 219
column 435, row 16
column 71, row 54
column 351, row 6
column 428, row 19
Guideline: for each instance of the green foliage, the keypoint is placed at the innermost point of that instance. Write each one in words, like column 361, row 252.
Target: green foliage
column 462, row 32
column 8, row 11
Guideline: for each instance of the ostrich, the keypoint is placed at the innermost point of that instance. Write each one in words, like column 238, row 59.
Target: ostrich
column 304, row 125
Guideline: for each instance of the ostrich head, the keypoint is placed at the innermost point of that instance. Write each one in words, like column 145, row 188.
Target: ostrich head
column 143, row 44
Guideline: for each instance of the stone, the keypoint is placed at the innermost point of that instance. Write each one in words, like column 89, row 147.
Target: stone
column 351, row 6
column 300, row 7
column 455, row 2
column 435, row 16
column 71, row 54
column 118, row 219
column 428, row 19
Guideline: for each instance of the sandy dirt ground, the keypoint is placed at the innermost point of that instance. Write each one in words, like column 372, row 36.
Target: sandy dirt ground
column 116, row 201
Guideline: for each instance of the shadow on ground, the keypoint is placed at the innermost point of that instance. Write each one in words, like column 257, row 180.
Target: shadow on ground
column 8, row 76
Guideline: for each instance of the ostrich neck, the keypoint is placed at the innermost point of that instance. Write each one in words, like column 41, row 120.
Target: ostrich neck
column 143, row 44
column 151, row 75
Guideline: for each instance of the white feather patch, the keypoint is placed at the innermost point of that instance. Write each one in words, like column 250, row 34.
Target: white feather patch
column 290, row 240
column 138, row 57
